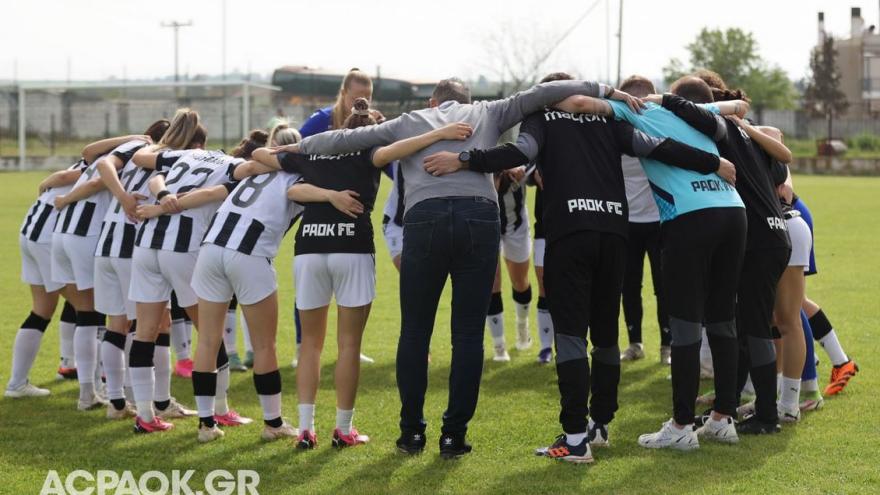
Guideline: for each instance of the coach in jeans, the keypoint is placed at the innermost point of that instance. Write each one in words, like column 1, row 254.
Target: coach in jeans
column 451, row 229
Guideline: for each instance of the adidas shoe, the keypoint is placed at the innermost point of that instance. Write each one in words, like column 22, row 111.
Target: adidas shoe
column 27, row 389
column 722, row 430
column 306, row 440
column 411, row 443
column 272, row 433
column 501, row 355
column 209, row 433
column 670, row 437
column 141, row 426
column 453, row 446
column 633, row 353
column 340, row 440
column 232, row 418
column 840, row 376
column 561, row 450
column 597, row 434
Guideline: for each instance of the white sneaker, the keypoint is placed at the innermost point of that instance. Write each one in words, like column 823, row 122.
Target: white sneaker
column 671, row 437
column 175, row 410
column 26, row 390
column 788, row 415
column 209, row 434
column 367, row 359
column 597, row 434
column 722, row 431
column 94, row 403
column 706, row 372
column 523, row 337
column 746, row 409
column 126, row 412
column 501, row 355
column 633, row 353
column 271, row 433
column 665, row 355
column 295, row 362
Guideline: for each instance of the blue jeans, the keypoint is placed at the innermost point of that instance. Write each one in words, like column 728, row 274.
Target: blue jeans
column 445, row 237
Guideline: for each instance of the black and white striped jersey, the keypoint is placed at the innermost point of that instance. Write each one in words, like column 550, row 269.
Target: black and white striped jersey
column 41, row 217
column 118, row 232
column 512, row 207
column 84, row 217
column 393, row 211
column 191, row 169
column 255, row 216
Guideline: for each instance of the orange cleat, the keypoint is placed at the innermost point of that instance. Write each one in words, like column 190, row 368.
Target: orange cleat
column 840, row 376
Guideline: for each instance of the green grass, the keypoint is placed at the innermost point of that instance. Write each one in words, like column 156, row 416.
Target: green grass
column 831, row 451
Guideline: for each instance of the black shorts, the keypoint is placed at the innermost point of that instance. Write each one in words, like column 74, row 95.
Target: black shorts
column 756, row 294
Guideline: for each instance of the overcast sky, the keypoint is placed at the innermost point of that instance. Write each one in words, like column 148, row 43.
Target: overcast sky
column 417, row 39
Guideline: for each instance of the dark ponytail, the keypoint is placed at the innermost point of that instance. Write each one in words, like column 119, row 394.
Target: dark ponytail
column 257, row 139
column 729, row 94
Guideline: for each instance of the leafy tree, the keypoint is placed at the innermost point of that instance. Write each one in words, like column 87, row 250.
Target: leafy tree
column 822, row 96
column 733, row 54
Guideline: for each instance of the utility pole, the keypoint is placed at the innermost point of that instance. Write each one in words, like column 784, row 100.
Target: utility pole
column 175, row 25
column 223, row 37
column 619, row 40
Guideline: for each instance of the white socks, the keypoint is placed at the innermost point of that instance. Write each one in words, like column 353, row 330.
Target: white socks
column 343, row 420
column 24, row 351
column 162, row 364
column 229, row 336
column 575, row 438
column 221, row 406
column 85, row 345
column 545, row 329
column 271, row 405
column 66, row 331
column 306, row 417
column 496, row 328
column 205, row 405
column 705, row 352
column 180, row 339
column 522, row 314
column 811, row 385
column 791, row 393
column 142, row 384
column 113, row 359
column 833, row 348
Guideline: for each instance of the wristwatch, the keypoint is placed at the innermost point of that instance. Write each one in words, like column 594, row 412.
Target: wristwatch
column 464, row 156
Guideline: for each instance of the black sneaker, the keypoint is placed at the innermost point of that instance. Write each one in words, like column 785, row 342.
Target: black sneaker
column 453, row 446
column 560, row 450
column 752, row 425
column 411, row 443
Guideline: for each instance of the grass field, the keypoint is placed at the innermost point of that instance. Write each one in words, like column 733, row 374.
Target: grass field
column 832, row 451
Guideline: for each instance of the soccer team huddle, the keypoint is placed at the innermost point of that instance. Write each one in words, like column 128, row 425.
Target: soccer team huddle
column 148, row 236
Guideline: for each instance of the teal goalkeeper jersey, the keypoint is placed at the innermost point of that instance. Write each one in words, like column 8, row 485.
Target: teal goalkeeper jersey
column 678, row 191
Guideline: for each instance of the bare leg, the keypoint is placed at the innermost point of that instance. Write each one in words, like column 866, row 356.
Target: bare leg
column 308, row 373
column 350, row 329
column 262, row 319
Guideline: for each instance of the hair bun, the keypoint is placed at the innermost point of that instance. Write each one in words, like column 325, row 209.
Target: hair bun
column 361, row 104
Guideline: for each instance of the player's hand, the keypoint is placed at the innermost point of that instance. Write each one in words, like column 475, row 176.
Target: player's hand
column 516, row 174
column 443, row 163
column 346, row 202
column 60, row 202
column 170, row 204
column 785, row 193
column 727, row 171
column 149, row 211
column 377, row 115
column 288, row 148
column 631, row 101
column 129, row 204
column 539, row 180
column 458, row 131
column 658, row 99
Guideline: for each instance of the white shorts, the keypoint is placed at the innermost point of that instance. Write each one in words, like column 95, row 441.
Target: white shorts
column 517, row 245
column 350, row 276
column 36, row 264
column 801, row 242
column 539, row 246
column 393, row 238
column 73, row 260
column 112, row 280
column 155, row 273
column 222, row 272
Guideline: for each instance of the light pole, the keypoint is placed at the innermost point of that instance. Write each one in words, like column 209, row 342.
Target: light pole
column 175, row 25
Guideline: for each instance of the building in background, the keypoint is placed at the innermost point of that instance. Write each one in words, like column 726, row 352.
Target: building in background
column 858, row 58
